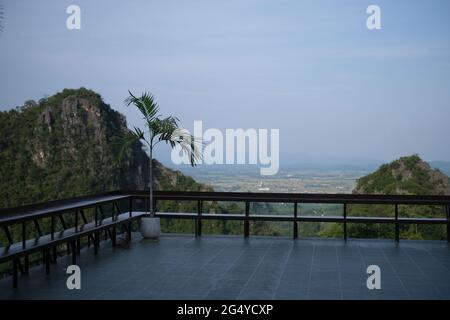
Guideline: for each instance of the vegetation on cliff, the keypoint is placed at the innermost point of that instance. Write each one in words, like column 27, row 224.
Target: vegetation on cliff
column 67, row 145
column 405, row 176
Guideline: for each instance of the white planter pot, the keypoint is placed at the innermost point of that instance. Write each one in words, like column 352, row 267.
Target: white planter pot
column 150, row 227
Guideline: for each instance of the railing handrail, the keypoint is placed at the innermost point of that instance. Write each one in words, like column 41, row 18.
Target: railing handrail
column 41, row 210
column 298, row 197
column 33, row 211
column 47, row 204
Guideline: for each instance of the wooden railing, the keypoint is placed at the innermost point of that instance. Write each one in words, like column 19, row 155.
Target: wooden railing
column 123, row 210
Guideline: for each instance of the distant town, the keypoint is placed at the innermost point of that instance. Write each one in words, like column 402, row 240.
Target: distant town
column 287, row 180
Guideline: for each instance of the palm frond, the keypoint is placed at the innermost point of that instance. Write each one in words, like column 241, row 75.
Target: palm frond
column 163, row 129
column 130, row 138
column 188, row 143
column 145, row 103
column 160, row 130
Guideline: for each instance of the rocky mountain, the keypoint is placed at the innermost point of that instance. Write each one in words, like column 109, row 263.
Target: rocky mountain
column 407, row 175
column 68, row 145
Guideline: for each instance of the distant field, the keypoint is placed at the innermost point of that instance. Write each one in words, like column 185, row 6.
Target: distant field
column 292, row 180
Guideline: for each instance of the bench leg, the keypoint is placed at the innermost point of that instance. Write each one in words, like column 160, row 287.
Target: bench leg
column 78, row 246
column 113, row 236
column 91, row 239
column 129, row 231
column 74, row 252
column 19, row 265
column 15, row 276
column 55, row 254
column 27, row 265
column 96, row 240
column 47, row 261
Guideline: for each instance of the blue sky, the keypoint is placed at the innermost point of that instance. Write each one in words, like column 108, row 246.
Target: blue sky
column 312, row 69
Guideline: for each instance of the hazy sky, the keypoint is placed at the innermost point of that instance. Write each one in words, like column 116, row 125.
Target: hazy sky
column 335, row 89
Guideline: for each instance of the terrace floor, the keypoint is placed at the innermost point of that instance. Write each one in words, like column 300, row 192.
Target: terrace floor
column 228, row 267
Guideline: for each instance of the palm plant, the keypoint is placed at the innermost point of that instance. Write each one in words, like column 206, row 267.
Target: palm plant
column 158, row 130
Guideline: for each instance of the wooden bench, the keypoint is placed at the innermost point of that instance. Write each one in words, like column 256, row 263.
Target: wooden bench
column 71, row 236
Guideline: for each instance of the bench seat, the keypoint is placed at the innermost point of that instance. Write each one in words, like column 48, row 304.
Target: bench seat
column 16, row 250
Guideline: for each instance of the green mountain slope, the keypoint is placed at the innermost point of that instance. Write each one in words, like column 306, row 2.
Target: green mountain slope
column 405, row 176
column 67, row 145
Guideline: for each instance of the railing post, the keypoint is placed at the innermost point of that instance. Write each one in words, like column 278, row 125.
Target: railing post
column 130, row 206
column 38, row 228
column 199, row 218
column 246, row 221
column 295, row 221
column 76, row 220
column 63, row 223
column 112, row 212
column 397, row 226
column 102, row 215
column 345, row 221
column 131, row 214
column 83, row 217
column 447, row 207
column 24, row 240
column 8, row 234
column 196, row 227
column 52, row 227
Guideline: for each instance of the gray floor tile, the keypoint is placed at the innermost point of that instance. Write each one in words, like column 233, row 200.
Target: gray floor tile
column 228, row 267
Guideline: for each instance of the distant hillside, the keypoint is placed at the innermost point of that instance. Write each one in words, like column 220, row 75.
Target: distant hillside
column 407, row 175
column 67, row 145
